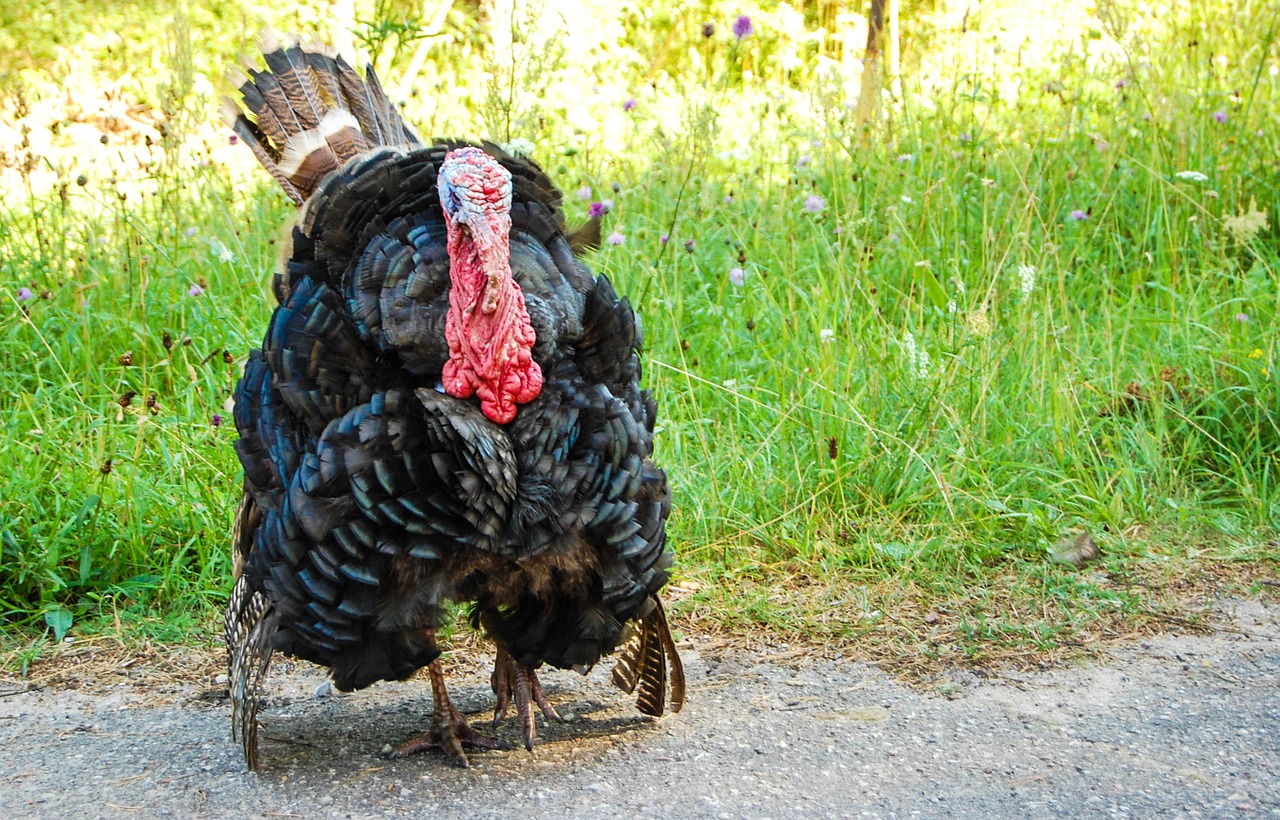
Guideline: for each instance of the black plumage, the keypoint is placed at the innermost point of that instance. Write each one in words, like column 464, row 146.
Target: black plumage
column 373, row 500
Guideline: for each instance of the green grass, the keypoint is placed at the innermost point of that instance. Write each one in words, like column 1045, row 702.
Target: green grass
column 885, row 419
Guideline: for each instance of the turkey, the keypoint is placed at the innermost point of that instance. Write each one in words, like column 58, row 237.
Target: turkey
column 445, row 410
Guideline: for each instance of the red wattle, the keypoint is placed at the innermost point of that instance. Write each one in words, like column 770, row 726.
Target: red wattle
column 489, row 333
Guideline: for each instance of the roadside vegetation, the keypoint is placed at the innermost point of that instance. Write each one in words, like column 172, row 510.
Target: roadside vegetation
column 905, row 371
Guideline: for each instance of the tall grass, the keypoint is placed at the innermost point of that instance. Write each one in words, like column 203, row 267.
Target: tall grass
column 1026, row 304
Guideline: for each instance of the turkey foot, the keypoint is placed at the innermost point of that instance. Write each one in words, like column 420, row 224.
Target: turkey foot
column 449, row 729
column 519, row 682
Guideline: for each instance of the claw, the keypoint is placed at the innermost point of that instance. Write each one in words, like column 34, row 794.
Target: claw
column 449, row 729
column 511, row 680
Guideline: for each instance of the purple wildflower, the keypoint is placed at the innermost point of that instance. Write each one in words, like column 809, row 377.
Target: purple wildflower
column 607, row 204
column 1121, row 83
column 728, row 199
column 233, row 139
column 24, row 295
column 737, row 276
column 195, row 290
column 665, row 238
column 216, row 420
column 596, row 211
column 615, row 238
column 1220, row 116
column 1079, row 215
column 191, row 231
column 814, row 204
column 802, row 161
column 742, row 26
column 1242, row 317
column 629, row 104
column 584, row 193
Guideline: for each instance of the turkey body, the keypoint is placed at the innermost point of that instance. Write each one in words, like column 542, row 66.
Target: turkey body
column 374, row 499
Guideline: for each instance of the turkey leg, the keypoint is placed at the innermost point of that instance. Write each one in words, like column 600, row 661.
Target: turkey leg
column 449, row 729
column 519, row 682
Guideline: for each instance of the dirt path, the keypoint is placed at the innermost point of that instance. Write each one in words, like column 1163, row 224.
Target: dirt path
column 1181, row 724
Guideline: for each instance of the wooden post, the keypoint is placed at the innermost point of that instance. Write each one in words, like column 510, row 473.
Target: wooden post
column 869, row 92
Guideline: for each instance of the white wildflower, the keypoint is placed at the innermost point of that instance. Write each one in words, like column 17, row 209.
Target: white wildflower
column 917, row 357
column 1192, row 176
column 520, row 146
column 1247, row 225
column 827, row 335
column 951, row 306
column 221, row 251
column 906, row 157
column 1026, row 279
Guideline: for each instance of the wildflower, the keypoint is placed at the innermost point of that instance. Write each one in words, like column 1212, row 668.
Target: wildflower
column 1256, row 353
column 629, row 104
column 728, row 199
column 1242, row 317
column 596, row 210
column 195, row 290
column 908, row 200
column 191, row 231
column 906, row 157
column 708, row 30
column 665, row 238
column 964, row 136
column 24, row 295
column 917, row 357
column 1079, row 215
column 1026, row 279
column 737, row 276
column 584, row 193
column 233, row 139
column 1220, row 116
column 520, row 146
column 221, row 251
column 742, row 26
column 802, row 161
column 814, row 204
column 951, row 306
column 1246, row 225
column 979, row 324
column 615, row 238
column 216, row 420
column 1192, row 176
column 826, row 335
column 688, row 245
column 1121, row 83
column 607, row 204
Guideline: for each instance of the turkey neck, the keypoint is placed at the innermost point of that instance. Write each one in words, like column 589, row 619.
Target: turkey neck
column 488, row 329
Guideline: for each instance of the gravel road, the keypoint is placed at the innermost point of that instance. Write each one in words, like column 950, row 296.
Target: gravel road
column 1181, row 725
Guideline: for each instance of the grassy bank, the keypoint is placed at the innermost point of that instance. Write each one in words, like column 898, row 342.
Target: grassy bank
column 895, row 367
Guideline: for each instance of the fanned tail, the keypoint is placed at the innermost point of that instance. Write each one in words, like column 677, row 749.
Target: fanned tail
column 309, row 113
column 650, row 666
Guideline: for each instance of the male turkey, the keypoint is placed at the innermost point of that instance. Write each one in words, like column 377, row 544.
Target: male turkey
column 445, row 408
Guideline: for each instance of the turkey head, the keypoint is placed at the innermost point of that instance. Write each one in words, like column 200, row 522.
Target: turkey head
column 488, row 329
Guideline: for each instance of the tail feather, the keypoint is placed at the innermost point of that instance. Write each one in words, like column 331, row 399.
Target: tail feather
column 297, row 82
column 650, row 666
column 309, row 113
column 251, row 621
